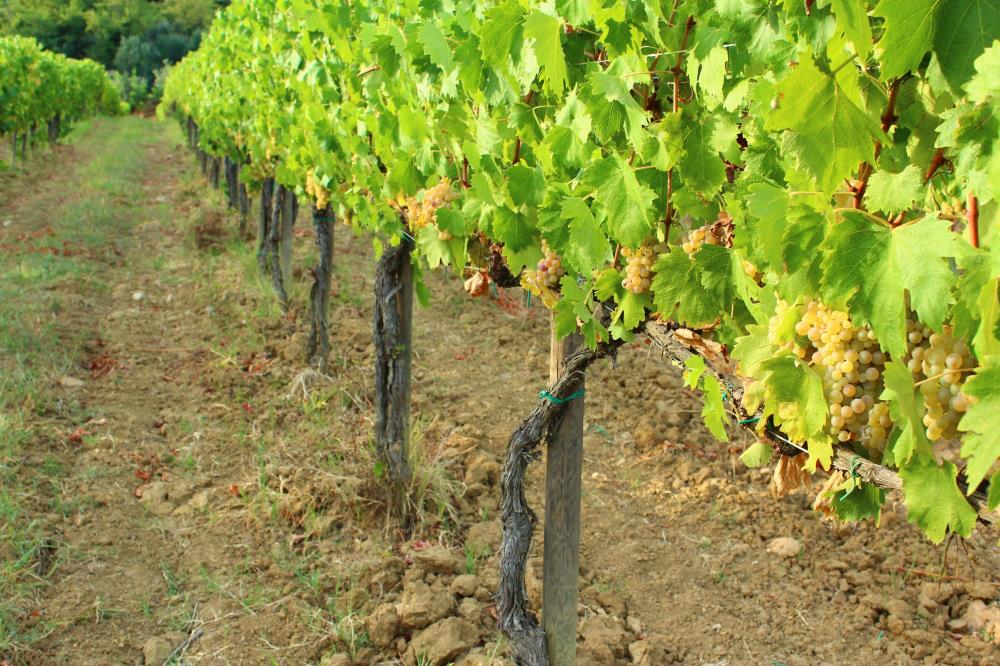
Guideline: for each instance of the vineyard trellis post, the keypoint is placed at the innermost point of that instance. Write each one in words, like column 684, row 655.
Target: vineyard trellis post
column 393, row 336
column 561, row 541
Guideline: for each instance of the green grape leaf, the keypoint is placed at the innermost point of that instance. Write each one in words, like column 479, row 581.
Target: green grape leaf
column 933, row 500
column 713, row 412
column 701, row 167
column 752, row 350
column 526, row 185
column 757, row 454
column 501, row 34
column 629, row 203
column 909, row 33
column 852, row 21
column 892, row 192
column 547, row 32
column 965, row 29
column 981, row 443
column 829, row 135
column 609, row 285
column 906, row 407
column 699, row 289
column 855, row 501
column 993, row 498
column 769, row 206
column 663, row 146
column 576, row 12
column 986, row 343
column 869, row 266
column 513, row 229
column 695, row 369
column 796, row 398
column 588, row 247
column 435, row 45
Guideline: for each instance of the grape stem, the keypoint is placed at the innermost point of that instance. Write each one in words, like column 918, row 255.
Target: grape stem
column 888, row 119
column 972, row 215
column 942, row 374
column 936, row 162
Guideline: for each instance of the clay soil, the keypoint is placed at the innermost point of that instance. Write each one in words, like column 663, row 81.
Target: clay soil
column 194, row 497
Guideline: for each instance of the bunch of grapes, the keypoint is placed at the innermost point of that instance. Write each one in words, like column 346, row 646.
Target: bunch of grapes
column 639, row 267
column 423, row 211
column 544, row 280
column 719, row 232
column 852, row 363
column 316, row 190
column 938, row 363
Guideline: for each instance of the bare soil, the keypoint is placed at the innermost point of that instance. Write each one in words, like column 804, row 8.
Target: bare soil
column 215, row 501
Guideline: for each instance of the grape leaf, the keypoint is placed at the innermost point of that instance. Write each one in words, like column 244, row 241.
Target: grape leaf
column 830, row 135
column 981, row 444
column 701, row 167
column 695, row 369
column 965, row 28
column 752, row 350
column 933, row 500
column 796, row 399
column 713, row 412
column 547, row 32
column 501, row 34
column 629, row 203
column 907, row 410
column 985, row 343
column 757, row 454
column 435, row 45
column 855, row 501
column 769, row 206
column 852, row 21
column 869, row 266
column 588, row 247
column 909, row 33
column 513, row 229
column 699, row 289
column 526, row 185
column 892, row 192
column 993, row 498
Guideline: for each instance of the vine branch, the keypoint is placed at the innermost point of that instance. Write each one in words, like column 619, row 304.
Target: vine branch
column 888, row 119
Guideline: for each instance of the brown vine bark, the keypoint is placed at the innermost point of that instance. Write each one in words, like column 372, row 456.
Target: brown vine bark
column 264, row 224
column 516, row 621
column 318, row 347
column 392, row 336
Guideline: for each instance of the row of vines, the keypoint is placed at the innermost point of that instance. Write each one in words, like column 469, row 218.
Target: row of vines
column 796, row 200
column 39, row 88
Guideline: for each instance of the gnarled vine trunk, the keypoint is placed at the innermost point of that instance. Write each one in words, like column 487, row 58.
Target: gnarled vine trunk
column 318, row 349
column 392, row 335
column 264, row 224
column 244, row 204
column 275, row 245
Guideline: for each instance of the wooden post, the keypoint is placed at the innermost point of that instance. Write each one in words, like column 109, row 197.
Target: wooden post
column 318, row 347
column 563, row 469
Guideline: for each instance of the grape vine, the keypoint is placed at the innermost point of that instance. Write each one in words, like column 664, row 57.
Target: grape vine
column 850, row 167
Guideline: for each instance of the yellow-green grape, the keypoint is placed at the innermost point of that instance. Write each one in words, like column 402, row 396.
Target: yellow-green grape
column 422, row 212
column 639, row 266
column 543, row 281
column 939, row 364
column 850, row 360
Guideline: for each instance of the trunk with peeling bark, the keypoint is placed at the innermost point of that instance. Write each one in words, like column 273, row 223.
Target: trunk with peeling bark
column 289, row 213
column 264, row 224
column 392, row 334
column 516, row 621
column 216, row 168
column 318, row 350
column 243, row 203
column 274, row 244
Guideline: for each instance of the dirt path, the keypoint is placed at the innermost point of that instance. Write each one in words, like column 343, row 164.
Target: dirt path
column 167, row 485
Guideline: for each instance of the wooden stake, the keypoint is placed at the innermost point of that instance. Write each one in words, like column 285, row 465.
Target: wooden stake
column 563, row 469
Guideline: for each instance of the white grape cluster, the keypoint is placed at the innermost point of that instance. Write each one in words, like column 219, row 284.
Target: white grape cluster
column 939, row 363
column 719, row 232
column 639, row 266
column 422, row 212
column 852, row 364
column 316, row 190
column 544, row 280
